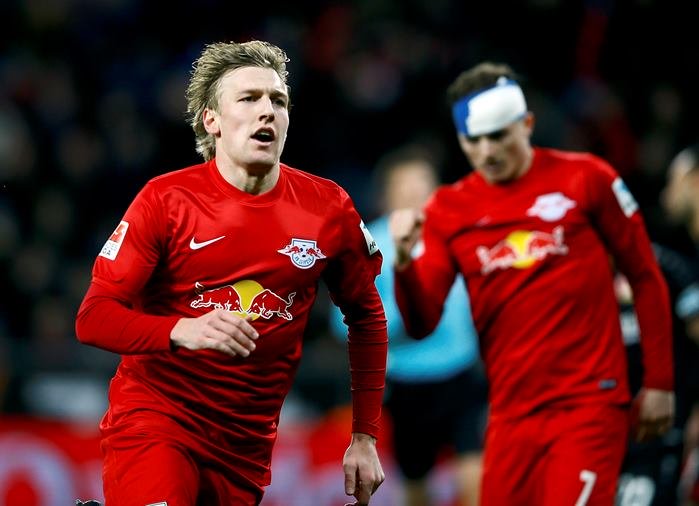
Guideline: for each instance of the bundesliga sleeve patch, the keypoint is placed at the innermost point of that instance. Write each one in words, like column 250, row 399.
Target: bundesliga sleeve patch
column 370, row 242
column 623, row 196
column 113, row 244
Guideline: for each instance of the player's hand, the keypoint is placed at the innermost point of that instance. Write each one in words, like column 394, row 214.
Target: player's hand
column 363, row 472
column 656, row 413
column 217, row 330
column 405, row 226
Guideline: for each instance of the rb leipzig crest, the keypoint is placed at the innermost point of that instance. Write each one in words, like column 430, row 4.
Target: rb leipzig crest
column 303, row 253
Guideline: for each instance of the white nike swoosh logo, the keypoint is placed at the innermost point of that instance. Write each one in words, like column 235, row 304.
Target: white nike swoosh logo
column 196, row 245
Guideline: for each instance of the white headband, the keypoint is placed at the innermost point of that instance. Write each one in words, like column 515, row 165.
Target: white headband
column 490, row 109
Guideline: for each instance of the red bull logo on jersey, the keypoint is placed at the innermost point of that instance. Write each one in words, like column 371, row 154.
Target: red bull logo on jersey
column 303, row 253
column 521, row 249
column 245, row 298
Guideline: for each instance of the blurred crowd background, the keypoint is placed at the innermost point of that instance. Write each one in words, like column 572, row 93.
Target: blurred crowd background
column 92, row 106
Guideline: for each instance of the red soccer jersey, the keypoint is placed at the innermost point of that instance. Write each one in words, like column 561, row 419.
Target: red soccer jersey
column 190, row 242
column 536, row 255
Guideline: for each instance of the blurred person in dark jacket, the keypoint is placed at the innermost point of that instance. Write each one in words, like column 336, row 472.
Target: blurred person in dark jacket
column 680, row 200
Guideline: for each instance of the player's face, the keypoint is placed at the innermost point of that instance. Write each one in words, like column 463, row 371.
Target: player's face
column 409, row 184
column 252, row 119
column 502, row 155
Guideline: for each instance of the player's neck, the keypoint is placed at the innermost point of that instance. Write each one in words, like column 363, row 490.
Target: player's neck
column 253, row 180
column 526, row 163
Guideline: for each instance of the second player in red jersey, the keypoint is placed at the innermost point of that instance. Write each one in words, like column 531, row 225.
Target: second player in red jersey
column 534, row 232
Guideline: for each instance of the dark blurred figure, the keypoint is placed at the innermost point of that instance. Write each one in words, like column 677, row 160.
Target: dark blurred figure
column 680, row 200
column 651, row 470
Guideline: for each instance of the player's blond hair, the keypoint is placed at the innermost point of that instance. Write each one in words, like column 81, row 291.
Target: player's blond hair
column 217, row 60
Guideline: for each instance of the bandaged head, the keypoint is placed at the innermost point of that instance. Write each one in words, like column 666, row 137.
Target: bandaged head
column 489, row 109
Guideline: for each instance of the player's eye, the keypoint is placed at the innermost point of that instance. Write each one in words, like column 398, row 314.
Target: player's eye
column 492, row 136
column 496, row 136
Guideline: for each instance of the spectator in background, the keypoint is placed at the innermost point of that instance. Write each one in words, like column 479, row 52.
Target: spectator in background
column 651, row 470
column 680, row 200
column 680, row 197
column 436, row 393
column 531, row 230
column 205, row 288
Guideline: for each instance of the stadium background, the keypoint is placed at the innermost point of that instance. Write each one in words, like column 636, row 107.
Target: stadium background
column 91, row 107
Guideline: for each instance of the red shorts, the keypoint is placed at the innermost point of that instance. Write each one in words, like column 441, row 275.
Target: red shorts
column 151, row 461
column 556, row 457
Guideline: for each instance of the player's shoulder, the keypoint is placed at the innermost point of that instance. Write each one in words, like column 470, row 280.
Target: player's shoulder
column 178, row 177
column 465, row 187
column 313, row 186
column 571, row 160
column 194, row 176
column 301, row 176
column 171, row 182
column 452, row 205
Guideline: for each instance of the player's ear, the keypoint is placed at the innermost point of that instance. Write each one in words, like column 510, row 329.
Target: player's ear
column 210, row 120
column 529, row 122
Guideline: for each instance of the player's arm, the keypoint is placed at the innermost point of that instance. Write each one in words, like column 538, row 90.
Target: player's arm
column 109, row 316
column 107, row 321
column 423, row 283
column 350, row 277
column 623, row 229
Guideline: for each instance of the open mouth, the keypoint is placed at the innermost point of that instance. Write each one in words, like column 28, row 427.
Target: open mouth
column 492, row 166
column 264, row 135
